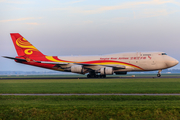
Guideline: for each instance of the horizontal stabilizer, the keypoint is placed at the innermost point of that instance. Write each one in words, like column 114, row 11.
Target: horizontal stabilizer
column 21, row 60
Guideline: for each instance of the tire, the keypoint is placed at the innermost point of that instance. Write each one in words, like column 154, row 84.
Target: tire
column 88, row 76
column 103, row 76
column 92, row 76
column 158, row 75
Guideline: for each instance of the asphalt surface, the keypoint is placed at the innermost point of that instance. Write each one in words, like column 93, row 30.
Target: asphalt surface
column 91, row 94
column 125, row 77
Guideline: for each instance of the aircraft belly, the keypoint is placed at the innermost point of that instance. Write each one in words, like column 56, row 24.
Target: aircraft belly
column 152, row 65
column 148, row 67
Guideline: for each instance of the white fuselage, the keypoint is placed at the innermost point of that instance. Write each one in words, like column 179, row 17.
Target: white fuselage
column 145, row 61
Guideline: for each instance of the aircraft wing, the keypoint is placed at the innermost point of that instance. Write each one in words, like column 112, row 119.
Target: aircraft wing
column 115, row 67
column 57, row 63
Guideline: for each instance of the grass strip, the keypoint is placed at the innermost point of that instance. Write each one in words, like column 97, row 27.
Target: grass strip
column 90, row 107
column 150, row 85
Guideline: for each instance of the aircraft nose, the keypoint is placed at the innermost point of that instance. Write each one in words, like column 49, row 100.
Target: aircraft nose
column 176, row 62
column 172, row 62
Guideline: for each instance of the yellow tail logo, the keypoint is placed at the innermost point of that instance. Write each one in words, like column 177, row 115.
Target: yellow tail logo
column 28, row 47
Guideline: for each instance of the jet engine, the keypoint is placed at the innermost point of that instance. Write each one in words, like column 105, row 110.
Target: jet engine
column 106, row 71
column 77, row 69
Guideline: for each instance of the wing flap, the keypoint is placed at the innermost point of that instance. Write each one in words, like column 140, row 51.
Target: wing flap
column 115, row 67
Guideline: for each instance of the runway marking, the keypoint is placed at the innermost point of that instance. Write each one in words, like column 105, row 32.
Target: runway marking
column 164, row 94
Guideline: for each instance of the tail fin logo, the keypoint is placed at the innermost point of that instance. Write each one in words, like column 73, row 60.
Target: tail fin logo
column 28, row 47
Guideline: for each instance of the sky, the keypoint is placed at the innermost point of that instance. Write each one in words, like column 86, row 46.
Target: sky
column 89, row 27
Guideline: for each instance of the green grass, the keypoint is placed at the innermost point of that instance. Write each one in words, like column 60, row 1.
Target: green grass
column 90, row 107
column 150, row 85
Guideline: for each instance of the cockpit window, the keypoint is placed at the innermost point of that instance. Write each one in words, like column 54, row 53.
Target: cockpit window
column 164, row 54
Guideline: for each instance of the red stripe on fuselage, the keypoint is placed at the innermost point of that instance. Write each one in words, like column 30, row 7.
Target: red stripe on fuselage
column 104, row 61
column 97, row 62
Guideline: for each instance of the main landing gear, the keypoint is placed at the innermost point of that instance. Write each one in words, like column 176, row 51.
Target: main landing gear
column 159, row 73
column 92, row 74
column 96, row 76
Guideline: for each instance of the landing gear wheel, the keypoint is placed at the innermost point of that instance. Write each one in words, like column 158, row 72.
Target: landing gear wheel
column 104, row 76
column 93, row 76
column 158, row 75
column 88, row 76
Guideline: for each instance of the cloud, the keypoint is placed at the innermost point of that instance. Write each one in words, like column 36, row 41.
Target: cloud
column 118, row 19
column 2, row 1
column 68, row 8
column 88, row 22
column 32, row 23
column 125, row 5
column 75, row 2
column 85, row 22
column 128, row 5
column 141, row 9
column 15, row 1
column 177, row 3
column 19, row 19
column 152, row 13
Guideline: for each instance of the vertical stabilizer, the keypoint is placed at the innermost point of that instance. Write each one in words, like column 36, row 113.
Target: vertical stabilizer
column 24, row 48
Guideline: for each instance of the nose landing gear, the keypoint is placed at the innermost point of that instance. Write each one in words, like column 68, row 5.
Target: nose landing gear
column 159, row 73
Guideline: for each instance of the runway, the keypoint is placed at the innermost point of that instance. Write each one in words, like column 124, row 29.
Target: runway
column 136, row 94
column 125, row 77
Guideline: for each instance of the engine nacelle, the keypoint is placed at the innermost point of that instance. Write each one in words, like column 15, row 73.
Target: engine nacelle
column 106, row 71
column 77, row 69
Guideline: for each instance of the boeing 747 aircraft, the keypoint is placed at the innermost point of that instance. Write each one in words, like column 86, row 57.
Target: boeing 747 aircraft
column 93, row 66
